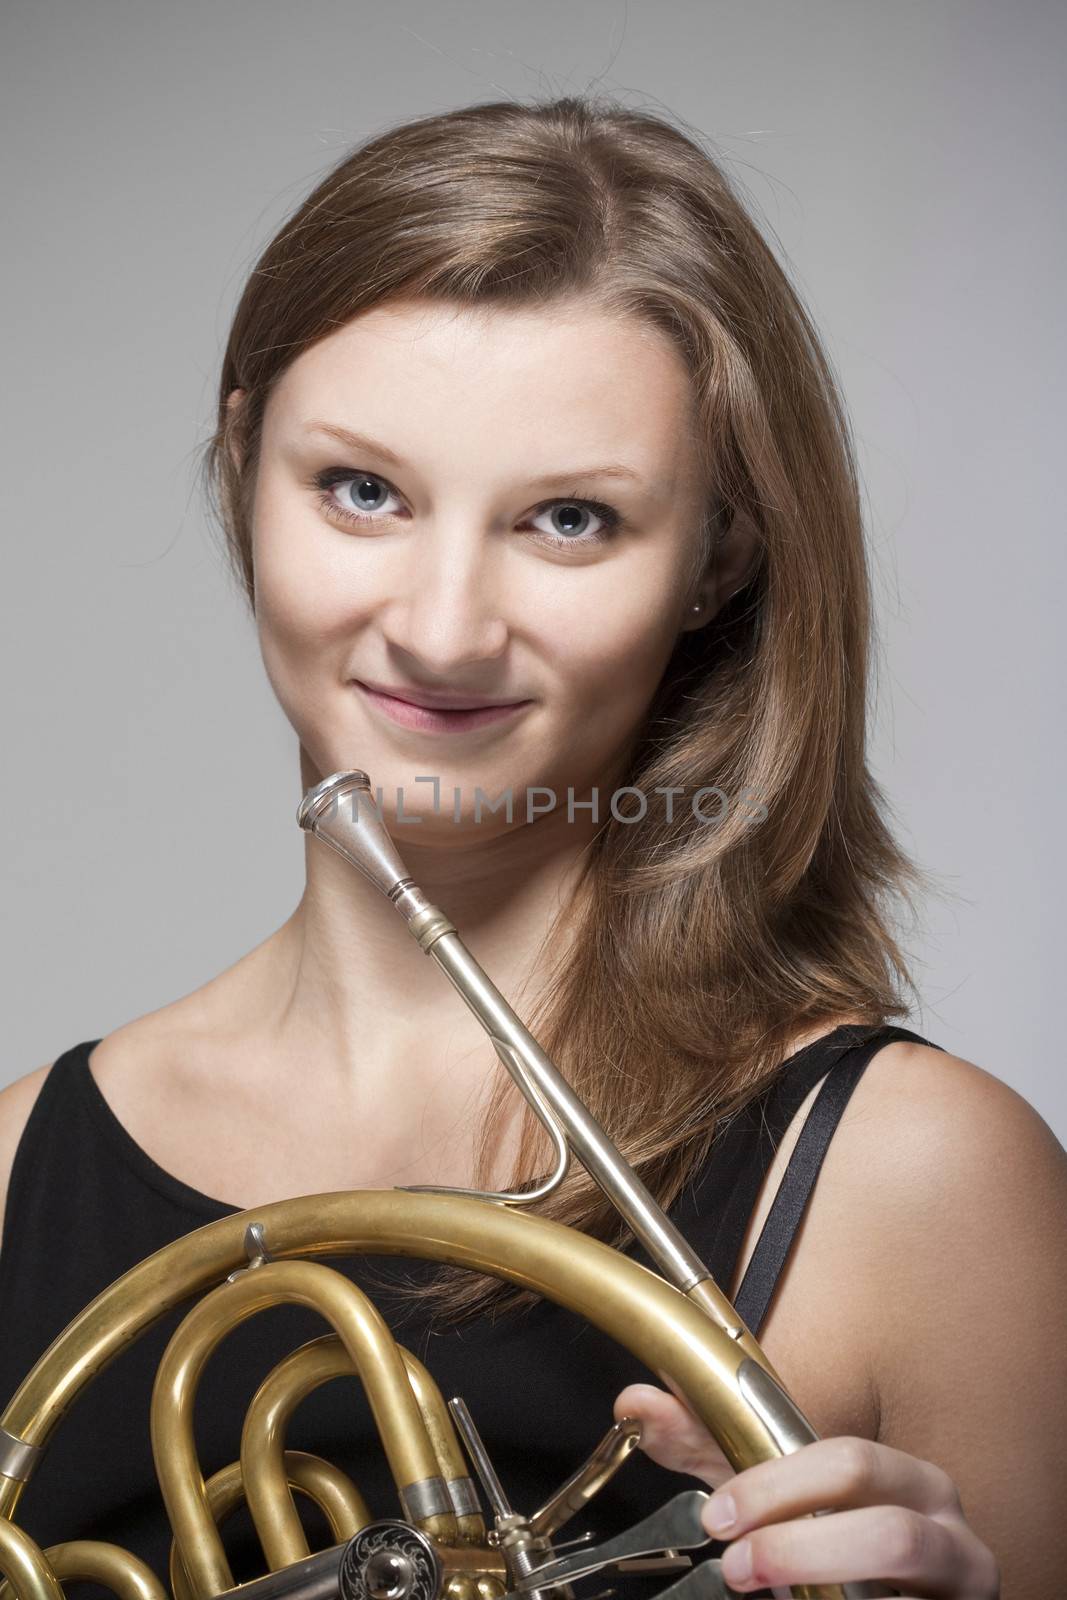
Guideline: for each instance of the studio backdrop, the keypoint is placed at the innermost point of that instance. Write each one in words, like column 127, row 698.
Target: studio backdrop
column 904, row 160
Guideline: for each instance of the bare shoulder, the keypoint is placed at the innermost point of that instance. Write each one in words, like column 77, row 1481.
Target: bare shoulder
column 947, row 1162
column 959, row 1261
column 16, row 1103
column 134, row 1067
column 112, row 1054
column 124, row 1062
column 183, row 1038
column 921, row 1128
column 114, row 1061
column 923, row 1123
column 137, row 1047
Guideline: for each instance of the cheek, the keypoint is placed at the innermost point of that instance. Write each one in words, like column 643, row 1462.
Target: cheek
column 300, row 596
column 613, row 654
column 303, row 625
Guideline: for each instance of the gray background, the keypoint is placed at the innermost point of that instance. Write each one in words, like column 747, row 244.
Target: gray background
column 905, row 159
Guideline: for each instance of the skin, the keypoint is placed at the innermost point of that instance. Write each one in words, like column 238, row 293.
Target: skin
column 455, row 582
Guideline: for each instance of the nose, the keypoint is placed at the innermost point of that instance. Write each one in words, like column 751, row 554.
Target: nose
column 445, row 612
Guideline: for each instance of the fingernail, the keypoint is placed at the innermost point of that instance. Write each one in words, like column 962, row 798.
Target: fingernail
column 720, row 1513
column 737, row 1563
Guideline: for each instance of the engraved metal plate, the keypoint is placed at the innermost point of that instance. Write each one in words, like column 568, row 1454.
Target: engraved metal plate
column 389, row 1560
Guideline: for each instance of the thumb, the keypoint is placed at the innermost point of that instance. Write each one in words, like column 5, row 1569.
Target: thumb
column 671, row 1435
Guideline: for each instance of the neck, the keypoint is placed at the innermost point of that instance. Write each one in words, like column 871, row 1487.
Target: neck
column 344, row 989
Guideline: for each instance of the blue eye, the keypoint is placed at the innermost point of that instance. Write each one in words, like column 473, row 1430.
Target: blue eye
column 357, row 497
column 574, row 510
column 362, row 489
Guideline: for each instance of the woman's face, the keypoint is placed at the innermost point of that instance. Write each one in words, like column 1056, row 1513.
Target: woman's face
column 457, row 556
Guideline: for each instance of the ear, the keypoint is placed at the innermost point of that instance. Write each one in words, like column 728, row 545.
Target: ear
column 732, row 562
column 234, row 401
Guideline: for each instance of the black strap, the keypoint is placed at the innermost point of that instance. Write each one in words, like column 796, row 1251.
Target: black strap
column 776, row 1237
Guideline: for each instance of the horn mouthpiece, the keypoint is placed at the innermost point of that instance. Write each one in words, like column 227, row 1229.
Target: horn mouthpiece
column 341, row 812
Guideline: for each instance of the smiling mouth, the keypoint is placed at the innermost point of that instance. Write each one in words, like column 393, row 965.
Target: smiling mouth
column 438, row 719
column 435, row 699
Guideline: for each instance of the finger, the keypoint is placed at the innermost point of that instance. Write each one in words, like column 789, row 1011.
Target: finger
column 890, row 1543
column 671, row 1435
column 828, row 1474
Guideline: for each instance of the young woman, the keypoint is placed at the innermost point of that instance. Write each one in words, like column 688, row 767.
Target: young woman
column 538, row 484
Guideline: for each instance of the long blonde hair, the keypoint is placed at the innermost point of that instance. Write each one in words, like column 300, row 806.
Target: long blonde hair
column 700, row 951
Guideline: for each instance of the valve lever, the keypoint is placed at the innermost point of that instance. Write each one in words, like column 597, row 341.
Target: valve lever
column 620, row 1440
column 581, row 1538
column 675, row 1526
column 702, row 1582
column 667, row 1561
column 705, row 1582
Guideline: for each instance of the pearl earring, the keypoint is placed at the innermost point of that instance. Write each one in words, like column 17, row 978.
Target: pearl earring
column 698, row 605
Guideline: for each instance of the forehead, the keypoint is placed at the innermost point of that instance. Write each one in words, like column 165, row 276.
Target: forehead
column 568, row 380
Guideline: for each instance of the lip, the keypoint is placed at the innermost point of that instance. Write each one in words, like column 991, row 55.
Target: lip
column 438, row 719
column 435, row 699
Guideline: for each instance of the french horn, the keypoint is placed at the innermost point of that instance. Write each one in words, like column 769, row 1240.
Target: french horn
column 450, row 1543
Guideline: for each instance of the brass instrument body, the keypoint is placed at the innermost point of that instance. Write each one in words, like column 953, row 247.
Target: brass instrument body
column 679, row 1325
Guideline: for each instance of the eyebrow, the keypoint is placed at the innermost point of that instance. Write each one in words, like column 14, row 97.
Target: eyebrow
column 362, row 441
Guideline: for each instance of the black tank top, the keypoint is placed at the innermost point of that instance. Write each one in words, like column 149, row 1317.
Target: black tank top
column 86, row 1203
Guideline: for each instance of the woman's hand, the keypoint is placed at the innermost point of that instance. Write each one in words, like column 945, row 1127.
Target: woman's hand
column 890, row 1515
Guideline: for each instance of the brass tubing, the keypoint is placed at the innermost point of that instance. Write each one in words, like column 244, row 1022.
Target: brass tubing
column 332, row 1491
column 514, row 1247
column 263, row 1454
column 439, row 1426
column 225, row 1492
column 666, row 1330
column 372, row 1348
column 314, row 1578
column 709, row 1297
column 25, row 1566
column 609, row 1289
column 270, row 1502
column 96, row 1562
